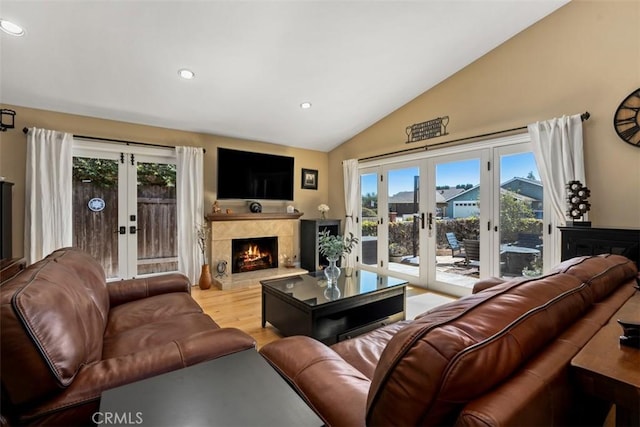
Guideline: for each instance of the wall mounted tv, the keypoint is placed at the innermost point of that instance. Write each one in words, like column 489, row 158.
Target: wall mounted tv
column 248, row 175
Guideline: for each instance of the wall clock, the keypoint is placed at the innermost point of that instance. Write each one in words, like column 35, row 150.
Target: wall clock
column 626, row 120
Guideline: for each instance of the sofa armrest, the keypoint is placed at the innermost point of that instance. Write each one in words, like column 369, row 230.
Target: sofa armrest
column 335, row 390
column 487, row 283
column 134, row 289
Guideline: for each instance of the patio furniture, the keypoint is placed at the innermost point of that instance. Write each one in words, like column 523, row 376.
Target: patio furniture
column 529, row 240
column 454, row 245
column 517, row 258
column 472, row 252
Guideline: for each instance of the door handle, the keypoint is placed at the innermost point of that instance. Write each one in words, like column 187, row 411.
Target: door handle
column 430, row 221
column 121, row 230
column 132, row 229
column 422, row 220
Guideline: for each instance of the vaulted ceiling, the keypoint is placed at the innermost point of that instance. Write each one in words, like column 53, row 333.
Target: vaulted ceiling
column 255, row 62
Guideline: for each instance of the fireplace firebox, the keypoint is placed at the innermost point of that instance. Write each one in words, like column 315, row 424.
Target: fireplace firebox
column 256, row 253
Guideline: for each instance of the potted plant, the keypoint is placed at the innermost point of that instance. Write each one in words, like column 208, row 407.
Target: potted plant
column 202, row 234
column 333, row 247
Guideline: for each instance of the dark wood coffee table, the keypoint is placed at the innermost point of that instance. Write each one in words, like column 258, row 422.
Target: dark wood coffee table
column 240, row 389
column 305, row 305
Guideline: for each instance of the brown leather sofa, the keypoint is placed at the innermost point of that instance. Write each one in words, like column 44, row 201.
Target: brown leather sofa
column 499, row 357
column 67, row 335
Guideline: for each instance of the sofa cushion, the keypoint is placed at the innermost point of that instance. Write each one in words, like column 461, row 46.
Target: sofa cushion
column 603, row 273
column 437, row 364
column 159, row 332
column 363, row 352
column 53, row 318
column 149, row 310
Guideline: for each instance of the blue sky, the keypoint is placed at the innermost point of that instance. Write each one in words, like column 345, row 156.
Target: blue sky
column 454, row 173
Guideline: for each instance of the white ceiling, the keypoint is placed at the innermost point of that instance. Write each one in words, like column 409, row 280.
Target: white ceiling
column 255, row 61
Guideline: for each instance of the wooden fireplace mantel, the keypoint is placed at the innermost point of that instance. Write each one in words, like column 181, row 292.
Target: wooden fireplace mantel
column 250, row 216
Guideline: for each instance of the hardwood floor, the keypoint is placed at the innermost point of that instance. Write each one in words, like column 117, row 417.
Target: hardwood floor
column 241, row 308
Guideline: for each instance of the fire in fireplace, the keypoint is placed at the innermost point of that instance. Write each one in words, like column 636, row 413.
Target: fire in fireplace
column 253, row 254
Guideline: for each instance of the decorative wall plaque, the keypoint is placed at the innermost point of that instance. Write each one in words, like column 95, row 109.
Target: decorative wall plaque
column 428, row 129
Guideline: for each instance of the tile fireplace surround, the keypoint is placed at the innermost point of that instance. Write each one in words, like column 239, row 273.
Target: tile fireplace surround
column 225, row 227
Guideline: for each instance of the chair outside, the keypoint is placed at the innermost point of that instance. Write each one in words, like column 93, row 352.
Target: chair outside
column 454, row 245
column 472, row 252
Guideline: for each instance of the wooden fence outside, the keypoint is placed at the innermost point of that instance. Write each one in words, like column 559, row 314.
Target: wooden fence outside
column 97, row 232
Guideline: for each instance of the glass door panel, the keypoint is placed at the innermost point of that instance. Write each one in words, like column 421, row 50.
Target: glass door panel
column 520, row 215
column 403, row 225
column 157, row 248
column 95, row 210
column 369, row 219
column 457, row 223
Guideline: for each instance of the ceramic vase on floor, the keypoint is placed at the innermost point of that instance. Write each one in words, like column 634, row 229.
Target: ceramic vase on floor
column 205, row 277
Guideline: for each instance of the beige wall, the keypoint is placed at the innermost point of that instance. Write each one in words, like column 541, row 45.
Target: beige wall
column 13, row 159
column 583, row 57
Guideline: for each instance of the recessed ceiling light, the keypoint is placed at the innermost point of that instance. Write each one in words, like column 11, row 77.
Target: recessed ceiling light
column 305, row 105
column 11, row 28
column 186, row 74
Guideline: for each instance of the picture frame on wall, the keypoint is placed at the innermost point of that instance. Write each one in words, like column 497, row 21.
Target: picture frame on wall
column 309, row 179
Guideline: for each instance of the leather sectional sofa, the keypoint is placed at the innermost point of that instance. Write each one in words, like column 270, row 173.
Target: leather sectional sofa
column 67, row 335
column 498, row 357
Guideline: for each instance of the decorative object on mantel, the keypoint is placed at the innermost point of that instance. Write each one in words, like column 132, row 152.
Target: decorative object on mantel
column 333, row 247
column 323, row 208
column 626, row 119
column 255, row 207
column 577, row 195
column 426, row 130
column 229, row 211
column 291, row 209
column 215, row 208
column 202, row 234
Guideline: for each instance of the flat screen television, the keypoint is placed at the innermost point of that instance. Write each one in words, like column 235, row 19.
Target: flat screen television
column 249, row 175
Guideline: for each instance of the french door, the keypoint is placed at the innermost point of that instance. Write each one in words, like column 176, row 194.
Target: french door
column 124, row 208
column 450, row 218
column 392, row 229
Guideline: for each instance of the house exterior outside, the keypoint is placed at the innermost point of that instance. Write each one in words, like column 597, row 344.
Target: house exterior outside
column 465, row 204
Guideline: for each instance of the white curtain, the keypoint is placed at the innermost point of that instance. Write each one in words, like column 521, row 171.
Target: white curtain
column 48, row 222
column 190, row 201
column 350, row 168
column 557, row 147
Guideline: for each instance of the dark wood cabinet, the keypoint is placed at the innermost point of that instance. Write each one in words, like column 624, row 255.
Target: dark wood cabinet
column 6, row 206
column 310, row 257
column 580, row 241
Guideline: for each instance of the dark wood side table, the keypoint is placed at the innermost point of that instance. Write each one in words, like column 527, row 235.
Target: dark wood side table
column 610, row 371
column 240, row 389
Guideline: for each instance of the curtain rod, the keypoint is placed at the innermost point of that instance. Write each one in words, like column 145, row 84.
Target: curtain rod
column 121, row 141
column 584, row 117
